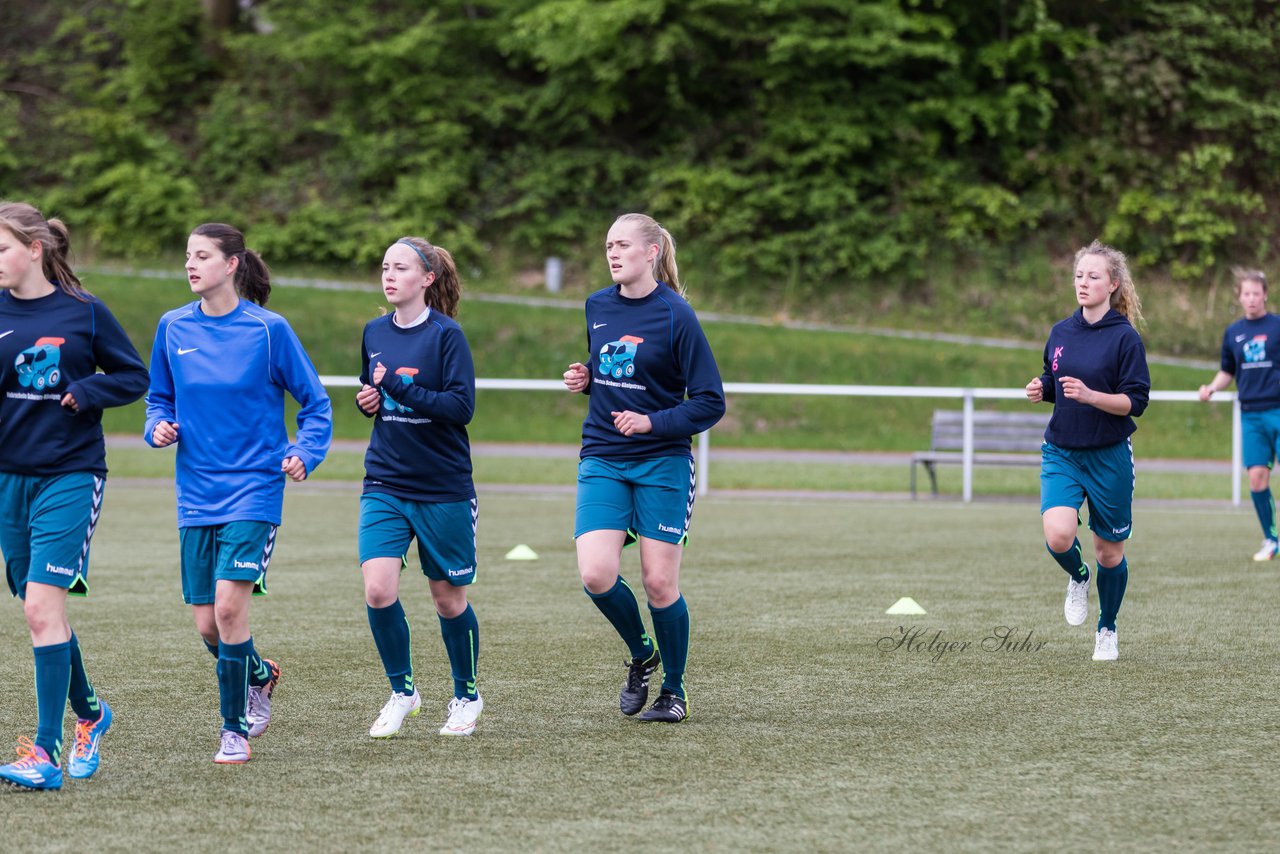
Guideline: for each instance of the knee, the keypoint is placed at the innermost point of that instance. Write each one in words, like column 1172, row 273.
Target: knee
column 1259, row 478
column 451, row 606
column 379, row 595
column 225, row 615
column 661, row 591
column 598, row 576
column 1059, row 540
column 39, row 617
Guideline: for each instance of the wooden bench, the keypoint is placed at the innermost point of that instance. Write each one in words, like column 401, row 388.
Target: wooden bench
column 999, row 439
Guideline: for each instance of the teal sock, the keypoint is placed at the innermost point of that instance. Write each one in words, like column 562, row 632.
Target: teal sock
column 81, row 694
column 212, row 647
column 1072, row 560
column 619, row 606
column 259, row 673
column 671, row 628
column 462, row 642
column 1265, row 505
column 393, row 639
column 233, row 684
column 1112, row 581
column 53, row 678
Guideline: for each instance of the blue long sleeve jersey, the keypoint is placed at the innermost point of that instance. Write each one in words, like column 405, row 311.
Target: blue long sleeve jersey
column 1107, row 356
column 1249, row 348
column 650, row 356
column 50, row 346
column 419, row 449
column 222, row 381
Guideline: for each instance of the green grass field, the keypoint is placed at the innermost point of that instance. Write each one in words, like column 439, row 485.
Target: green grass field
column 808, row 731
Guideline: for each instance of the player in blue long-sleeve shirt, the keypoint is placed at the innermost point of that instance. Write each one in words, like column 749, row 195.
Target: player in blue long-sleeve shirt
column 53, row 339
column 219, row 370
column 1249, row 356
column 652, row 383
column 419, row 386
column 1095, row 375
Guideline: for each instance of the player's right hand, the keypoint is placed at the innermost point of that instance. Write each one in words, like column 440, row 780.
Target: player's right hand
column 367, row 399
column 165, row 433
column 576, row 378
column 1206, row 392
column 1035, row 390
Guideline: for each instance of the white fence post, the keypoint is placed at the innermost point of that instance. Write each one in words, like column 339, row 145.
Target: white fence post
column 1237, row 453
column 704, row 462
column 968, row 445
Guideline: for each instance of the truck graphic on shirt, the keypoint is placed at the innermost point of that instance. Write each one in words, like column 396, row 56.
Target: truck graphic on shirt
column 1255, row 350
column 618, row 358
column 406, row 378
column 38, row 365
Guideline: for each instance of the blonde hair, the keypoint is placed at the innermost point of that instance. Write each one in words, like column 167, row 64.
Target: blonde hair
column 1244, row 274
column 1124, row 298
column 28, row 225
column 446, row 290
column 651, row 232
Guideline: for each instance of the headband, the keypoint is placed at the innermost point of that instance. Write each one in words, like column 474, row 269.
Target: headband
column 421, row 254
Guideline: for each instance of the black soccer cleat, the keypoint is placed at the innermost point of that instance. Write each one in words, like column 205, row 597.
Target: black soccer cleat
column 669, row 708
column 635, row 691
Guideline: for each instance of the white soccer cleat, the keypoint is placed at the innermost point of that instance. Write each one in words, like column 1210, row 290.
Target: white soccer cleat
column 233, row 749
column 463, row 714
column 258, row 701
column 392, row 716
column 1105, row 647
column 1076, row 606
column 1268, row 550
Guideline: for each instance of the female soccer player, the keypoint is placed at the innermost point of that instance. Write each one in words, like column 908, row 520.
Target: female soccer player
column 1247, row 358
column 1095, row 375
column 419, row 386
column 53, row 339
column 219, row 369
column 653, row 383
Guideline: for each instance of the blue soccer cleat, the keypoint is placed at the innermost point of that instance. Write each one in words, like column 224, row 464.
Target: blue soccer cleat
column 84, row 757
column 33, row 771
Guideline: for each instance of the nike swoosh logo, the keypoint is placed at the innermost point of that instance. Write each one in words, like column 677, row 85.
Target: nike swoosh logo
column 182, row 352
column 375, row 355
column 2, row 334
column 598, row 325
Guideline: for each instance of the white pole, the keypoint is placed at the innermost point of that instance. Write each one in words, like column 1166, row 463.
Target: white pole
column 704, row 462
column 1237, row 453
column 968, row 445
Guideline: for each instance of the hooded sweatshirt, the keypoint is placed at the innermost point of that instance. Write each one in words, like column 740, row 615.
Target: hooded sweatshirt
column 1106, row 356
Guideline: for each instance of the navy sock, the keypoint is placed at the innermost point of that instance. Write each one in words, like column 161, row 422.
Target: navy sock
column 619, row 606
column 1112, row 581
column 53, row 677
column 233, row 684
column 259, row 673
column 671, row 628
column 212, row 647
column 1072, row 560
column 391, row 636
column 1266, row 507
column 462, row 642
column 81, row 694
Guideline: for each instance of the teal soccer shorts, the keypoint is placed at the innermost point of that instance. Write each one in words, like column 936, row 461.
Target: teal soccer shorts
column 46, row 527
column 1260, row 437
column 1102, row 476
column 446, row 534
column 232, row 551
column 648, row 498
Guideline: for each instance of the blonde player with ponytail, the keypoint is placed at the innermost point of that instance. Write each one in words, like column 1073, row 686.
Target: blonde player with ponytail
column 653, row 384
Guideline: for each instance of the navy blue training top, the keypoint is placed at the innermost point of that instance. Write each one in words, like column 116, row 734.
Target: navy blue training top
column 1249, row 348
column 650, row 356
column 420, row 449
column 1107, row 356
column 49, row 346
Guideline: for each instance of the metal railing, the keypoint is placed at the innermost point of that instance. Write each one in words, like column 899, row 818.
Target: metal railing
column 968, row 396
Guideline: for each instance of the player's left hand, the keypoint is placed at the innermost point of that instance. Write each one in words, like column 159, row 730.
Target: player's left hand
column 295, row 468
column 69, row 402
column 629, row 423
column 1073, row 389
column 379, row 371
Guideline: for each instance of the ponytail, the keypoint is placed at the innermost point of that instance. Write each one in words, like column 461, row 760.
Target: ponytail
column 28, row 225
column 253, row 277
column 446, row 290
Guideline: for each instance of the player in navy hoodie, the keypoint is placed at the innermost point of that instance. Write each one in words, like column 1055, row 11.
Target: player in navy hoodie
column 1095, row 375
column 419, row 386
column 53, row 339
column 652, row 383
column 1249, row 351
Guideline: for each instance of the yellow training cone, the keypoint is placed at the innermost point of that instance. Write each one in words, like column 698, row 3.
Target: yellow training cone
column 905, row 605
column 523, row 552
